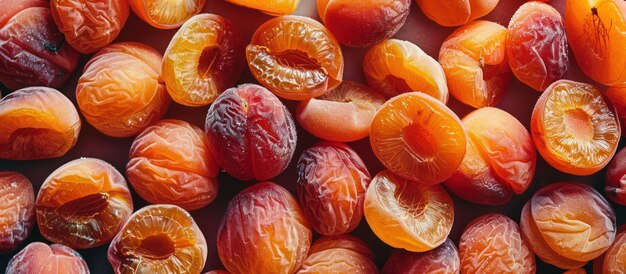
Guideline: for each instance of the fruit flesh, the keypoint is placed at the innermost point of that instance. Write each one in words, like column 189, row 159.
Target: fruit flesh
column 263, row 231
column 575, row 127
column 500, row 159
column 393, row 67
column 85, row 27
column 121, row 92
column 474, row 61
column 17, row 210
column 83, row 204
column 537, row 46
column 615, row 178
column 456, row 12
column 332, row 180
column 203, row 59
column 363, row 23
column 172, row 163
column 32, row 50
column 408, row 215
column 37, row 123
column 38, row 257
column 253, row 133
column 617, row 96
column 271, row 7
column 492, row 244
column 442, row 260
column 596, row 31
column 166, row 14
column 295, row 57
column 343, row 114
column 419, row 138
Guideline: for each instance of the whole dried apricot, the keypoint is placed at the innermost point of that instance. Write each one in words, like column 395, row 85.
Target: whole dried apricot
column 335, row 258
column 39, row 257
column 615, row 178
column 345, row 241
column 271, row 7
column 614, row 260
column 444, row 260
column 456, row 12
column 17, row 210
column 166, row 14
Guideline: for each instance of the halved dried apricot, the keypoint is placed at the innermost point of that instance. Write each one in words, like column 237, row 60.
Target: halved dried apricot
column 617, row 95
column 166, row 14
column 271, row 7
column 17, row 210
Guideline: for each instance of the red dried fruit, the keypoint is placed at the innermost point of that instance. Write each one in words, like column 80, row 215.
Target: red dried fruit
column 17, row 210
column 444, row 259
column 42, row 258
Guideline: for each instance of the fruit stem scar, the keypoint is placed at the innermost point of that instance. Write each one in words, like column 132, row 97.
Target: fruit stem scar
column 51, row 47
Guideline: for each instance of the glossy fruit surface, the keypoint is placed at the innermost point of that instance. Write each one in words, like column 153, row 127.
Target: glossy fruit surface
column 617, row 95
column 39, row 257
column 456, row 12
column 327, row 257
column 443, row 260
column 166, row 14
column 614, row 260
column 271, row 7
column 615, row 178
column 17, row 210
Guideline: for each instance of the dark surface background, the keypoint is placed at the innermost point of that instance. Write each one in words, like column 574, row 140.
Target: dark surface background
column 519, row 101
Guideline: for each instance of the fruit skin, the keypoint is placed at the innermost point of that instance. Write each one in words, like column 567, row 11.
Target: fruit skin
column 263, row 231
column 271, row 7
column 444, row 259
column 343, row 241
column 89, row 25
column 456, row 12
column 474, row 60
column 393, row 67
column 492, row 243
column 37, row 123
column 595, row 31
column 617, row 95
column 500, row 159
column 121, row 92
column 543, row 115
column 295, row 57
column 203, row 34
column 17, row 210
column 363, row 23
column 537, row 45
column 158, row 239
column 615, row 178
column 337, row 259
column 32, row 50
column 343, row 114
column 171, row 21
column 83, row 204
column 39, row 257
column 332, row 180
column 612, row 261
column 253, row 133
column 172, row 163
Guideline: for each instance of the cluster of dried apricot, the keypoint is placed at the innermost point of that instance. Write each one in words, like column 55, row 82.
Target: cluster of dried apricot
column 426, row 150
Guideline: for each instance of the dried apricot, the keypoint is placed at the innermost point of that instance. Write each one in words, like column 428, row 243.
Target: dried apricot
column 33, row 50
column 331, row 258
column 444, row 259
column 204, row 58
column 166, row 14
column 419, row 138
column 343, row 114
column 83, row 204
column 38, row 257
column 89, row 25
column 253, row 133
column 614, row 260
column 394, row 67
column 474, row 60
column 536, row 45
column 263, row 231
column 332, row 180
column 492, row 244
column 120, row 92
column 617, row 96
column 500, row 159
column 37, row 123
column 345, row 241
column 456, row 12
column 271, row 7
column 615, row 178
column 575, row 127
column 172, row 163
column 363, row 23
column 17, row 210
column 406, row 214
column 595, row 31
column 295, row 57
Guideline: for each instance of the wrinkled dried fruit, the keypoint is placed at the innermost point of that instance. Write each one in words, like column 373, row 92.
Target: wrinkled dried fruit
column 42, row 258
column 83, row 204
column 332, row 257
column 443, row 260
column 17, row 210
column 344, row 241
column 456, row 12
column 166, row 14
column 271, row 7
column 173, row 163
column 615, row 178
column 614, row 260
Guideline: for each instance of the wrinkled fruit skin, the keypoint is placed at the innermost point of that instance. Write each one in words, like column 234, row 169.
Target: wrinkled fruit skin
column 271, row 7
column 456, row 12
column 89, row 25
column 37, row 123
column 263, row 231
column 83, row 204
column 568, row 224
column 253, row 133
column 172, row 163
column 17, row 210
column 166, row 14
column 344, row 241
column 500, row 159
column 536, row 45
column 492, row 244
column 339, row 254
column 159, row 239
column 363, row 23
column 32, row 50
column 332, row 180
column 444, row 259
column 613, row 261
column 204, row 58
column 38, row 257
column 615, row 178
column 120, row 92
